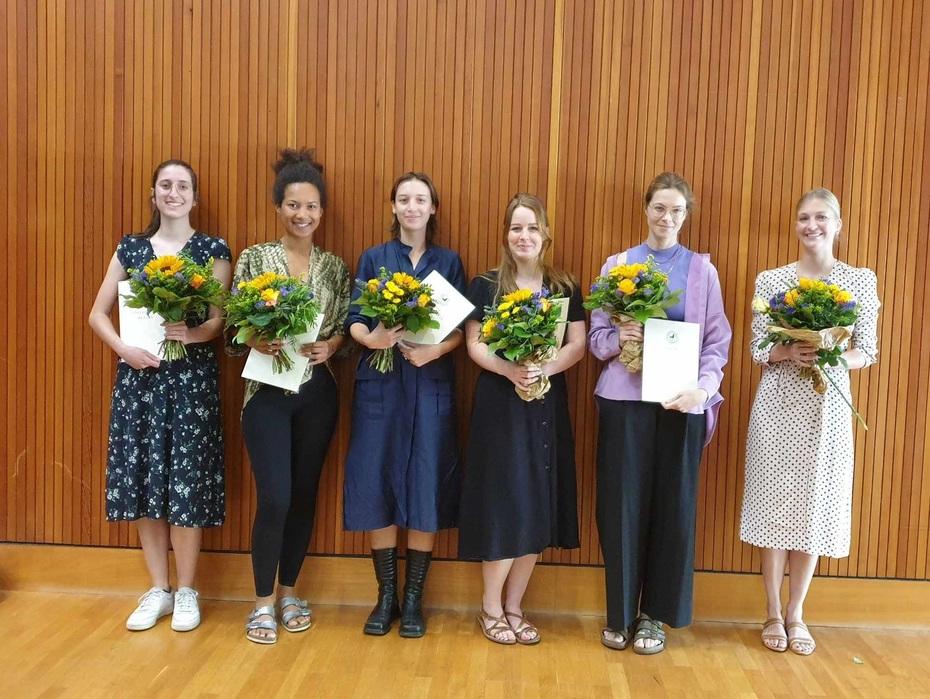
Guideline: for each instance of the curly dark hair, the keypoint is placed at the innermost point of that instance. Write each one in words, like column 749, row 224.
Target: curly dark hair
column 297, row 165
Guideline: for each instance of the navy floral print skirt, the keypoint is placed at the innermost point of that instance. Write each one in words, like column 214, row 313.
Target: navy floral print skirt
column 165, row 452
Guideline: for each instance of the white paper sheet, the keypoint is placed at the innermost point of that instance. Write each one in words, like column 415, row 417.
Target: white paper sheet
column 258, row 366
column 138, row 327
column 451, row 309
column 671, row 358
column 563, row 321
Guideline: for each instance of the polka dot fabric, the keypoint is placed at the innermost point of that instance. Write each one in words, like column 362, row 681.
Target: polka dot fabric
column 799, row 452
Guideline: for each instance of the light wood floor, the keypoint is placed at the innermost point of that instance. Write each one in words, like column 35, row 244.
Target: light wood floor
column 76, row 645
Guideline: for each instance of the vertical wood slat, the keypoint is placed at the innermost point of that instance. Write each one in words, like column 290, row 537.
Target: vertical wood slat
column 580, row 102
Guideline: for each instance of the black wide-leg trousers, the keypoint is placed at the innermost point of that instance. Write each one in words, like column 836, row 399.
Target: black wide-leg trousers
column 648, row 460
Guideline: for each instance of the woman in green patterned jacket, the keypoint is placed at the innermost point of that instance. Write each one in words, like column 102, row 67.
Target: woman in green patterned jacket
column 287, row 434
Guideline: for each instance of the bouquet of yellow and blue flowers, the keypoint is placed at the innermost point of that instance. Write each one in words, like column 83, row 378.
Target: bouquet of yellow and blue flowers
column 523, row 328
column 272, row 307
column 818, row 313
column 395, row 299
column 632, row 292
column 176, row 288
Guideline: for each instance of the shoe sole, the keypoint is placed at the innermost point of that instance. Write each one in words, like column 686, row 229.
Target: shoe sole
column 412, row 634
column 186, row 627
column 146, row 628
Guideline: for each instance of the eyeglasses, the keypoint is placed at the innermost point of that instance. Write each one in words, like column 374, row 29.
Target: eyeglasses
column 659, row 210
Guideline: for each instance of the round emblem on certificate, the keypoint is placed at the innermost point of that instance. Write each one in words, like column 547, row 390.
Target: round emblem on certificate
column 671, row 337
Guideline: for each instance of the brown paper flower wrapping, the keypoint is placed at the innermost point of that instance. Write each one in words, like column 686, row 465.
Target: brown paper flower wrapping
column 542, row 385
column 631, row 354
column 827, row 339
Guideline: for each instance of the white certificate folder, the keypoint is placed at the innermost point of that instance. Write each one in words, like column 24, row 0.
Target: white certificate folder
column 138, row 327
column 671, row 358
column 451, row 309
column 260, row 367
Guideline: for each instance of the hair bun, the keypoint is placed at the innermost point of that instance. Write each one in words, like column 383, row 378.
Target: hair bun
column 296, row 156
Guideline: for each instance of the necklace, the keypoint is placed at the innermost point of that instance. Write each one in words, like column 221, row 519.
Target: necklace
column 302, row 272
column 673, row 260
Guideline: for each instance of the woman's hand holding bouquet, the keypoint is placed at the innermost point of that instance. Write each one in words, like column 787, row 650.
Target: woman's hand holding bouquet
column 523, row 328
column 630, row 295
column 813, row 319
column 400, row 302
column 176, row 288
column 268, row 312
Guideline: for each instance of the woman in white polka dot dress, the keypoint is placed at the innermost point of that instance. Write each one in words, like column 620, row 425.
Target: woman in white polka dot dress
column 797, row 499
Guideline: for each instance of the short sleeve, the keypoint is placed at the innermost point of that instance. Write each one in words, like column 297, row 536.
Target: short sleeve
column 480, row 293
column 575, row 305
column 126, row 252
column 343, row 295
column 219, row 250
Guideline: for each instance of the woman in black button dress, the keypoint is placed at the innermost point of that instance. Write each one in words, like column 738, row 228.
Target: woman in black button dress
column 519, row 491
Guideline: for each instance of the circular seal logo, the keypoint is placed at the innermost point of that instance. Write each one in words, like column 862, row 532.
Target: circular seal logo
column 671, row 337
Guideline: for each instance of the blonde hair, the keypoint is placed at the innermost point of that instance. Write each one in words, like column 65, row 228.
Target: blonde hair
column 559, row 282
column 824, row 195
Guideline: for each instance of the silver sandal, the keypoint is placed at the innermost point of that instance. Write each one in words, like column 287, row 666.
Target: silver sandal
column 254, row 624
column 301, row 612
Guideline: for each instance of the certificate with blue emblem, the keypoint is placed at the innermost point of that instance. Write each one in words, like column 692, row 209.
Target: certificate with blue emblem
column 671, row 358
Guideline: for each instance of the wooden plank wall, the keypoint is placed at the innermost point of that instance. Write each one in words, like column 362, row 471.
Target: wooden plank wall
column 754, row 101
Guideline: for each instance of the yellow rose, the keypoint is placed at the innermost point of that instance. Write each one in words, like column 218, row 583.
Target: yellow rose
column 423, row 300
column 197, row 281
column 791, row 298
column 627, row 286
column 270, row 297
column 373, row 286
column 805, row 284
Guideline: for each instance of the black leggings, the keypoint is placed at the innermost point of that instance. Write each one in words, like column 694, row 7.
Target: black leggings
column 287, row 436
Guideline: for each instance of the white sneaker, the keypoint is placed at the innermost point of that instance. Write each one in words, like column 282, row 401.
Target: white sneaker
column 153, row 605
column 186, row 612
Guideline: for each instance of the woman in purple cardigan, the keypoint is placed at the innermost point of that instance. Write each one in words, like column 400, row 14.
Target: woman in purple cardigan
column 648, row 453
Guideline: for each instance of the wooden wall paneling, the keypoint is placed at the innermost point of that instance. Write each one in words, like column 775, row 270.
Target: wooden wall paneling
column 917, row 559
column 7, row 125
column 579, row 102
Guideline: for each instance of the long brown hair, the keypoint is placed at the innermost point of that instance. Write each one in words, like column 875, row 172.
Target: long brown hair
column 155, row 223
column 557, row 281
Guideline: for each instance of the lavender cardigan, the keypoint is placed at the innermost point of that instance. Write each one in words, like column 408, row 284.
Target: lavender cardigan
column 703, row 305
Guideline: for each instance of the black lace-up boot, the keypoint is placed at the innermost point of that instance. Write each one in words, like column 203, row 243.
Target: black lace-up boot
column 386, row 610
column 412, row 623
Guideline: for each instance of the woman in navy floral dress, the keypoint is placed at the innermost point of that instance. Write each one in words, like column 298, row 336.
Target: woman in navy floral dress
column 165, row 452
